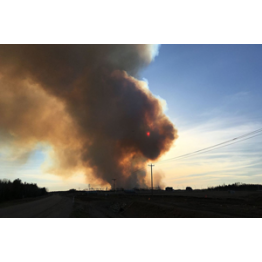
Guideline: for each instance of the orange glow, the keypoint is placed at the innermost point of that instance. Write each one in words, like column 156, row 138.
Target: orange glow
column 148, row 133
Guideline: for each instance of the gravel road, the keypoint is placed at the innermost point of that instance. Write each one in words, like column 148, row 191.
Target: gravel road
column 55, row 206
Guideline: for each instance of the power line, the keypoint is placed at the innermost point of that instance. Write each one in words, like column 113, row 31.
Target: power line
column 214, row 146
column 202, row 151
column 194, row 154
column 222, row 146
column 210, row 148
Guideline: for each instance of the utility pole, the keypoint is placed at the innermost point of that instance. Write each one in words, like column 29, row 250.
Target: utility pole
column 114, row 183
column 151, row 177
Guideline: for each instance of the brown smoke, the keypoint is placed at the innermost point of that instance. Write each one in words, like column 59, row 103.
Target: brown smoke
column 84, row 101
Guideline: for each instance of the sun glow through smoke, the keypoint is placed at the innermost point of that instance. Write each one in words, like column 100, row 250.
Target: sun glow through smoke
column 85, row 94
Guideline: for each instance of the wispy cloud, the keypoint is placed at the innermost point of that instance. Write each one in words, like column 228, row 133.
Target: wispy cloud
column 241, row 161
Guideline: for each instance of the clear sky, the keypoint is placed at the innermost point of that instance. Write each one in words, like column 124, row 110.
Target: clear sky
column 213, row 94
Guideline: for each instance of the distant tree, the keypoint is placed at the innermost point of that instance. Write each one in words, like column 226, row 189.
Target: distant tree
column 16, row 189
column 238, row 186
column 43, row 191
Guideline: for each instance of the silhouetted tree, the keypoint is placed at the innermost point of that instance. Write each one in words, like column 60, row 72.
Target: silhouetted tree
column 237, row 187
column 17, row 190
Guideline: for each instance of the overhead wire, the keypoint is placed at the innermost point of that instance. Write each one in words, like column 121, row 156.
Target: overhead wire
column 222, row 146
column 210, row 148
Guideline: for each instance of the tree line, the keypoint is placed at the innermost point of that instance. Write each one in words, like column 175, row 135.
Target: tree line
column 17, row 190
column 237, row 187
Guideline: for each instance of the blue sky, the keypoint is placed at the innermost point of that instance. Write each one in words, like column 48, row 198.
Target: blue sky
column 195, row 79
column 213, row 94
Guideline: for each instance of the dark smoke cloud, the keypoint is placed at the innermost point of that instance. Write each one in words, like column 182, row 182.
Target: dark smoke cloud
column 84, row 101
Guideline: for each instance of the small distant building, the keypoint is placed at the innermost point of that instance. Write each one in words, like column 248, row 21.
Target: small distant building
column 189, row 188
column 169, row 188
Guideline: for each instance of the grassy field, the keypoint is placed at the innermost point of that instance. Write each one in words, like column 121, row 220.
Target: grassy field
column 168, row 204
column 139, row 204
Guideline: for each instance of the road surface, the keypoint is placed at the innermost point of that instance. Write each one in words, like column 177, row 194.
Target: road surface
column 55, row 206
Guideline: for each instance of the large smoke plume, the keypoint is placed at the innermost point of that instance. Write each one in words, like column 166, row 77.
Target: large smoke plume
column 84, row 101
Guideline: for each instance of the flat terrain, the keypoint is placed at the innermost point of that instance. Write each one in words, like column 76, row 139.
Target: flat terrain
column 176, row 204
column 180, row 204
column 53, row 206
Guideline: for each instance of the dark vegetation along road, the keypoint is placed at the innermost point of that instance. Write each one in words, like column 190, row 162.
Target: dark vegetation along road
column 25, row 200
